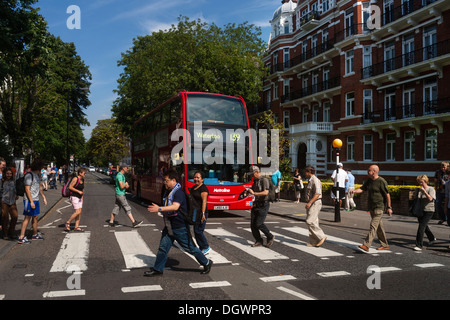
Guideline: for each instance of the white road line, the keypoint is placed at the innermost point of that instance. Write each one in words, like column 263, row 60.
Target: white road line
column 301, row 245
column 335, row 240
column 383, row 269
column 63, row 293
column 429, row 265
column 135, row 251
column 261, row 253
column 216, row 257
column 210, row 284
column 73, row 254
column 296, row 294
column 141, row 288
column 278, row 278
column 333, row 274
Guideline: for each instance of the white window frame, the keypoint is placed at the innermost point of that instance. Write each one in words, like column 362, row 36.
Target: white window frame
column 349, row 104
column 286, row 121
column 368, row 147
column 409, row 146
column 390, row 147
column 349, row 62
column 431, row 142
column 351, row 148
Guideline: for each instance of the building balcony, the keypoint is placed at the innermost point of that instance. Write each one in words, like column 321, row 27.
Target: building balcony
column 316, row 92
column 434, row 108
column 410, row 12
column 311, row 127
column 310, row 20
column 409, row 64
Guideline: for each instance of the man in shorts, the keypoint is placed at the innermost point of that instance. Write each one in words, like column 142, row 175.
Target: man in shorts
column 121, row 200
column 31, row 206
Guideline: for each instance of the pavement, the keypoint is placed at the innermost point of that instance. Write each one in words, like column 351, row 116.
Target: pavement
column 53, row 196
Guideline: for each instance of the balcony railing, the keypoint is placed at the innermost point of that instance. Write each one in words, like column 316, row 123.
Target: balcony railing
column 407, row 59
column 407, row 7
column 315, row 88
column 425, row 108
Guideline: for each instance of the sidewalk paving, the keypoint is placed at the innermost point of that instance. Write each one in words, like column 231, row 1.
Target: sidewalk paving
column 53, row 196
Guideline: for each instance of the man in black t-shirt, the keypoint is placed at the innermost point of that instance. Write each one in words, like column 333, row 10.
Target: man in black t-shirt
column 260, row 190
column 175, row 227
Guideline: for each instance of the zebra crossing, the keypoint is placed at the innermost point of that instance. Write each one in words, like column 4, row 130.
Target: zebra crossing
column 135, row 253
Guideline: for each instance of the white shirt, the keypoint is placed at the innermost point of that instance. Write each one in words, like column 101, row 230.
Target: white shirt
column 341, row 178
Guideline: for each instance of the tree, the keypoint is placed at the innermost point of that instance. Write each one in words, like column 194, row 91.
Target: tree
column 107, row 143
column 267, row 121
column 40, row 76
column 193, row 56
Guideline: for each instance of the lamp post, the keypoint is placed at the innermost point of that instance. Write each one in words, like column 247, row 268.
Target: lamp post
column 337, row 144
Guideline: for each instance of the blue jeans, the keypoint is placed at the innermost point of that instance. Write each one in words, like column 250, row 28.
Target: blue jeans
column 200, row 236
column 183, row 238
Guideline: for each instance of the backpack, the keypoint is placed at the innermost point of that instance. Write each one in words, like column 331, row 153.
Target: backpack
column 20, row 185
column 65, row 189
column 193, row 216
column 272, row 195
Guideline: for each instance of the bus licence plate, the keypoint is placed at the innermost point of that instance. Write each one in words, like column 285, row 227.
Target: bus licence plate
column 221, row 207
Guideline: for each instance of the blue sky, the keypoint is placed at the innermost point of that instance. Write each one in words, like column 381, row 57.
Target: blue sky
column 109, row 26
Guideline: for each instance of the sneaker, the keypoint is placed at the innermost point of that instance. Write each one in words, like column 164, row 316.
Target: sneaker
column 37, row 236
column 137, row 223
column 207, row 268
column 432, row 242
column 417, row 249
column 24, row 240
column 206, row 251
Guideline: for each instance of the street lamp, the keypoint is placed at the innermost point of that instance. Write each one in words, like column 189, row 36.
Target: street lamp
column 337, row 145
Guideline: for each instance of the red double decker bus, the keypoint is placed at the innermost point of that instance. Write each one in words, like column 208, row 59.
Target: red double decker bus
column 193, row 131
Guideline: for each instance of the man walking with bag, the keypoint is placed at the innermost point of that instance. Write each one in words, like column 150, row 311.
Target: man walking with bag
column 260, row 190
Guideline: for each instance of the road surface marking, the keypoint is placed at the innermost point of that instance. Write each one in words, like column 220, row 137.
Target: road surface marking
column 63, row 293
column 333, row 274
column 135, row 251
column 335, row 240
column 73, row 253
column 278, row 278
column 429, row 265
column 141, row 288
column 210, row 284
column 261, row 253
column 295, row 293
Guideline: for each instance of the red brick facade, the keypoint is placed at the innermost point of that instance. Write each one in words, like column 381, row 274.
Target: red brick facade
column 383, row 91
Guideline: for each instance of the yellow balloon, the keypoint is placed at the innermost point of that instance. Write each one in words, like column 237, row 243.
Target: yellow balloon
column 337, row 143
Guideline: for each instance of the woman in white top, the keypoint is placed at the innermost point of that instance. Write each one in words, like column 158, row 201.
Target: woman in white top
column 427, row 196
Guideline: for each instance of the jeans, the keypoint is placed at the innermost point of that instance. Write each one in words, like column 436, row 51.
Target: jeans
column 183, row 238
column 200, row 236
column 258, row 216
column 423, row 228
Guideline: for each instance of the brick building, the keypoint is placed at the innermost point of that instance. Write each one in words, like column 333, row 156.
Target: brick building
column 375, row 74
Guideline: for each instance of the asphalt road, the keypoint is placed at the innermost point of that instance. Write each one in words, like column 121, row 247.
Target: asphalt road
column 108, row 263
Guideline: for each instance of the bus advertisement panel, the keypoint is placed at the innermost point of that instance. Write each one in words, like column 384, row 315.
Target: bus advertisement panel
column 195, row 132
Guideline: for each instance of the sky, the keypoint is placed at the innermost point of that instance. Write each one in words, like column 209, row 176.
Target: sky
column 107, row 29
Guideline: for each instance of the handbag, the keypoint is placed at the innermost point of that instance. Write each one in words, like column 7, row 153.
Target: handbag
column 416, row 209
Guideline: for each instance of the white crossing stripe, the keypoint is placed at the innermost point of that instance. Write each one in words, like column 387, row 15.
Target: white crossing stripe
column 63, row 293
column 295, row 293
column 429, row 265
column 278, row 278
column 333, row 274
column 210, row 284
column 335, row 240
column 141, row 288
column 73, row 253
column 135, row 251
column 261, row 253
column 301, row 245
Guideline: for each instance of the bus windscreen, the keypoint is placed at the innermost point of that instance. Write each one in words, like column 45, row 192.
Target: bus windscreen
column 216, row 109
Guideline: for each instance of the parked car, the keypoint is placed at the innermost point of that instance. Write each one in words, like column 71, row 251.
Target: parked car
column 112, row 174
column 92, row 169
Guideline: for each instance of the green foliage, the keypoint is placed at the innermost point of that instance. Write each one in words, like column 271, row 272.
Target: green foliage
column 40, row 79
column 193, row 56
column 107, row 143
